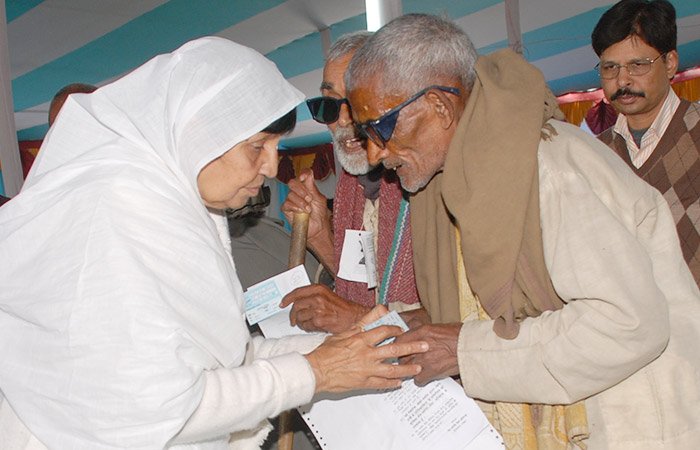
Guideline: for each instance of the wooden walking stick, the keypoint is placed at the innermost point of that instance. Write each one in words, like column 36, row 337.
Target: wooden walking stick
column 297, row 255
column 297, row 248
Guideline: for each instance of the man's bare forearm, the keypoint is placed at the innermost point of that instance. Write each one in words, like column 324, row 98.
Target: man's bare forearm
column 322, row 247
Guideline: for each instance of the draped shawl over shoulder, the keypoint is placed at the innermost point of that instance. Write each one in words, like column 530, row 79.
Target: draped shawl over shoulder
column 489, row 190
column 117, row 292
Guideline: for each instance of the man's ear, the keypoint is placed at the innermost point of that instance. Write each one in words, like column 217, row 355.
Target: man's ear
column 442, row 106
column 671, row 62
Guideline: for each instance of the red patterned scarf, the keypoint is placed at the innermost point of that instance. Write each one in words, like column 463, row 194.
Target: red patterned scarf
column 394, row 258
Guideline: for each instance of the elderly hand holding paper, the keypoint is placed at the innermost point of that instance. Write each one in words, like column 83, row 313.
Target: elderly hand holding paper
column 121, row 315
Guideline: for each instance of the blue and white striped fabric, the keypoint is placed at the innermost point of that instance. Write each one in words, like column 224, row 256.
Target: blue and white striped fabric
column 56, row 42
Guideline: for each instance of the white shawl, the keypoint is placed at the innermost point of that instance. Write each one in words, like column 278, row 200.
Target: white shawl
column 117, row 293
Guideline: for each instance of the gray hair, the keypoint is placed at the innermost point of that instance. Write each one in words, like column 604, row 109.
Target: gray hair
column 347, row 43
column 413, row 51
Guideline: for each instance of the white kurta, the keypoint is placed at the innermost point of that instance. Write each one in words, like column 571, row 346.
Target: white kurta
column 627, row 338
column 121, row 314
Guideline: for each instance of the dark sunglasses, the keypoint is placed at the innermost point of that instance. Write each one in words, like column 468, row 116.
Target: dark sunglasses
column 380, row 130
column 325, row 110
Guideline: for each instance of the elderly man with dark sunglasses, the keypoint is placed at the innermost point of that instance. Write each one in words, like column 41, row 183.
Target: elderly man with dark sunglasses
column 656, row 133
column 553, row 275
column 367, row 198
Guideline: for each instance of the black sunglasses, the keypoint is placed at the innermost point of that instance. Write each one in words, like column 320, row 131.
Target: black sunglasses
column 326, row 110
column 380, row 130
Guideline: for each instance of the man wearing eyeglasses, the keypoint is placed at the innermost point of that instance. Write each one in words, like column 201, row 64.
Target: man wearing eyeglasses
column 552, row 273
column 656, row 132
column 367, row 199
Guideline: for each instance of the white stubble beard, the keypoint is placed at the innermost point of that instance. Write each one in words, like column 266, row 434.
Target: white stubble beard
column 353, row 163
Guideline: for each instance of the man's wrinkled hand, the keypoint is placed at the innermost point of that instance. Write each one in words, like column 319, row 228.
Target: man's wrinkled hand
column 440, row 360
column 414, row 318
column 304, row 197
column 317, row 308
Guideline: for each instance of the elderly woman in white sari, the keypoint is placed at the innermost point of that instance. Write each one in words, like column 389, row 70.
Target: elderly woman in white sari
column 121, row 316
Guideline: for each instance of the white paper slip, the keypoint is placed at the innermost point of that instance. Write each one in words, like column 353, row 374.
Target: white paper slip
column 262, row 300
column 357, row 258
column 392, row 318
column 277, row 325
column 370, row 259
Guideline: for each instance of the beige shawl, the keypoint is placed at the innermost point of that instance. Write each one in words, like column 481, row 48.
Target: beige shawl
column 489, row 189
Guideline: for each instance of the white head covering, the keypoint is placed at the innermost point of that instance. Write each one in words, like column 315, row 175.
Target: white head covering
column 187, row 107
column 117, row 291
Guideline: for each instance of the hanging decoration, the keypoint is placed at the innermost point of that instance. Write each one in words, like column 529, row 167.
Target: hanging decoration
column 318, row 158
column 27, row 152
column 601, row 116
column 323, row 164
column 687, row 85
column 576, row 111
column 285, row 168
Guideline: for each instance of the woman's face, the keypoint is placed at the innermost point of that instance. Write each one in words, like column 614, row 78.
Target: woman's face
column 229, row 180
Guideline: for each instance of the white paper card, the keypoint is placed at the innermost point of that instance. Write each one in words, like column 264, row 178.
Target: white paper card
column 277, row 325
column 391, row 318
column 262, row 300
column 370, row 259
column 357, row 258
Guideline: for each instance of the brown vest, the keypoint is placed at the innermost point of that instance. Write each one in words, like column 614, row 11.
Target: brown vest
column 674, row 169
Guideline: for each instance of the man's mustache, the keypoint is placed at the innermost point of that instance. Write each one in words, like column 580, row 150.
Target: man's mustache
column 626, row 91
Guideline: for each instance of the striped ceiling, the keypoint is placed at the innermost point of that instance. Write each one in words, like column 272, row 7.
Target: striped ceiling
column 56, row 42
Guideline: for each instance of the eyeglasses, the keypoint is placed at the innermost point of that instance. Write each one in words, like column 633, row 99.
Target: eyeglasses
column 381, row 129
column 635, row 68
column 326, row 110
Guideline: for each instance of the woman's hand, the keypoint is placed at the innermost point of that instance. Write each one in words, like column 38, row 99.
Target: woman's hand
column 352, row 360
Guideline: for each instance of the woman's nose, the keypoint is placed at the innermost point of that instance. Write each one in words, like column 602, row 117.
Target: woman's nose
column 269, row 164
